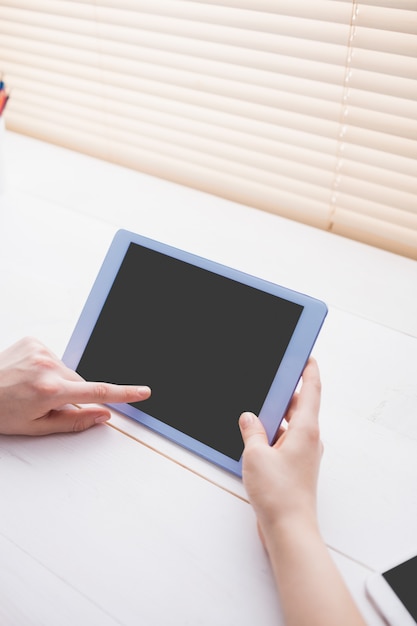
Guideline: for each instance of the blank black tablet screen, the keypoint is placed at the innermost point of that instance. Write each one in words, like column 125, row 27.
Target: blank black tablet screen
column 208, row 346
column 402, row 579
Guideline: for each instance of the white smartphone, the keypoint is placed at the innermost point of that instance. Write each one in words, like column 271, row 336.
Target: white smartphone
column 394, row 593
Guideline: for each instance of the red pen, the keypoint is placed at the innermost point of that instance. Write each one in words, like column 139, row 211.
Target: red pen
column 3, row 101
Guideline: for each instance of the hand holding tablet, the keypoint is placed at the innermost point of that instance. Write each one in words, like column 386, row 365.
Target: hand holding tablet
column 210, row 341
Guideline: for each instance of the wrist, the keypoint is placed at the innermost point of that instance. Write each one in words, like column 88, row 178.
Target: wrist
column 284, row 530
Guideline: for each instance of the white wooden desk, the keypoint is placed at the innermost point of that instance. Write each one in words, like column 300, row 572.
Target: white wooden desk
column 119, row 526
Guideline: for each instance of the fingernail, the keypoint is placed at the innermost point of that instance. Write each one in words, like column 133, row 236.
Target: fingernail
column 103, row 417
column 144, row 390
column 246, row 419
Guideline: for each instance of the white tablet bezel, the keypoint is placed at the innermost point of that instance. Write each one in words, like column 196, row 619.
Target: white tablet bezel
column 287, row 376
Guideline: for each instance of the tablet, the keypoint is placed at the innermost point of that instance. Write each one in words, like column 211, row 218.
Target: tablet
column 210, row 341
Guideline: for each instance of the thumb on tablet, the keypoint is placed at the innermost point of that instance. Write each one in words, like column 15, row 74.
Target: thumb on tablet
column 252, row 429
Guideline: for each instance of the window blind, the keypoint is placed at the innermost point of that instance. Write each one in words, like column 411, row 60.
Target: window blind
column 304, row 109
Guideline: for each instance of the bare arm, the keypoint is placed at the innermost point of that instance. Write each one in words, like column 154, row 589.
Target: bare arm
column 39, row 395
column 281, row 484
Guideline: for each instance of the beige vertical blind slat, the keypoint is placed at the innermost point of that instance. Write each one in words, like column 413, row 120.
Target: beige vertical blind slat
column 380, row 141
column 387, row 18
column 379, row 160
column 383, row 122
column 384, row 63
column 307, row 110
column 393, row 178
column 409, row 5
column 375, row 232
column 365, row 190
column 385, row 41
column 378, row 211
column 393, row 105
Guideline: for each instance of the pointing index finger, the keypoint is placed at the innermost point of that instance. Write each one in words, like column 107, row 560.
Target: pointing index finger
column 103, row 393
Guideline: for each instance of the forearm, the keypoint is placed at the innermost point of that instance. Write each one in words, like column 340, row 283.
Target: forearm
column 311, row 589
